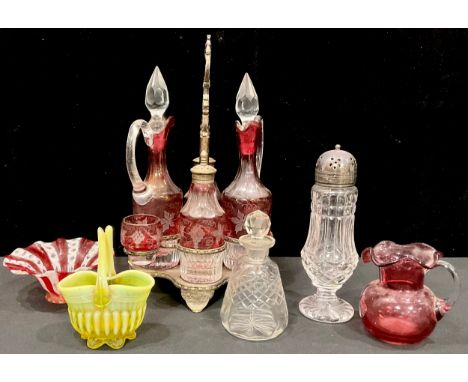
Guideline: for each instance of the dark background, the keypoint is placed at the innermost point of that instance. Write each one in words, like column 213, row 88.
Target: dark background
column 396, row 99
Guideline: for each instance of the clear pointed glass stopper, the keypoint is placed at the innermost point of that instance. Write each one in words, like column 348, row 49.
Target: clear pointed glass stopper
column 247, row 101
column 157, row 95
column 257, row 224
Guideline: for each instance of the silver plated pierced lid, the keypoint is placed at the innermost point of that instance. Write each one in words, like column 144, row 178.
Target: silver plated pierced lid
column 336, row 168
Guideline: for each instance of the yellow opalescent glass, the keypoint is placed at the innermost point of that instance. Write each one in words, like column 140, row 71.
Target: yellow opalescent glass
column 106, row 308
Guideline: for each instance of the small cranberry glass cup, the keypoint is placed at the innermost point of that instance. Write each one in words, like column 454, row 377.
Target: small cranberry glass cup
column 140, row 236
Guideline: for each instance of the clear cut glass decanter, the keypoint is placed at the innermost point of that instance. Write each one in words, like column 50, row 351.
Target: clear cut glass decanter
column 246, row 193
column 254, row 306
column 329, row 255
column 157, row 194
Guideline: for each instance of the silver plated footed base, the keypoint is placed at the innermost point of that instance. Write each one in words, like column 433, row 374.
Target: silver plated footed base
column 329, row 311
column 197, row 296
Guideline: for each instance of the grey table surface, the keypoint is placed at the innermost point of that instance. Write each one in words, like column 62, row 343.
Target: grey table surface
column 32, row 325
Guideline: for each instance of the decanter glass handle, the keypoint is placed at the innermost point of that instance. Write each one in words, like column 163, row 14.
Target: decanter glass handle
column 137, row 183
column 444, row 305
column 260, row 149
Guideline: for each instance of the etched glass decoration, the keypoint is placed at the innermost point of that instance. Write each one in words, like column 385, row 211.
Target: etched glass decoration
column 329, row 255
column 254, row 306
column 201, row 229
column 156, row 194
column 399, row 309
column 246, row 193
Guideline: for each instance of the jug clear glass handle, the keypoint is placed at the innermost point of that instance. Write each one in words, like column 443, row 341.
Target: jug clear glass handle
column 134, row 175
column 141, row 193
column 443, row 305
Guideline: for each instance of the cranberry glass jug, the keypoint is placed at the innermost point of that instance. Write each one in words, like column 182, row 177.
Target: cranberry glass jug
column 399, row 309
column 156, row 194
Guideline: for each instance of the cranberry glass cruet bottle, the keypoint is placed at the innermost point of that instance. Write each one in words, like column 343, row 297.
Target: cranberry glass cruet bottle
column 329, row 255
column 399, row 309
column 211, row 162
column 201, row 221
column 254, row 306
column 246, row 193
column 156, row 194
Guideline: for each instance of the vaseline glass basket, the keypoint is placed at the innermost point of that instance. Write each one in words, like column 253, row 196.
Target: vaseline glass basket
column 105, row 307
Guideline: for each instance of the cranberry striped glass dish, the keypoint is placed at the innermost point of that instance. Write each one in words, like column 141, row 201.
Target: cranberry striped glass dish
column 51, row 262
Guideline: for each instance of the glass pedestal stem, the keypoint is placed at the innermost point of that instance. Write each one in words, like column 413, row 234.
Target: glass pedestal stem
column 325, row 306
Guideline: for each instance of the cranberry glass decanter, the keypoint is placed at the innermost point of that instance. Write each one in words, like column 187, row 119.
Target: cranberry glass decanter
column 254, row 306
column 157, row 194
column 329, row 255
column 246, row 193
column 202, row 222
column 399, row 308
